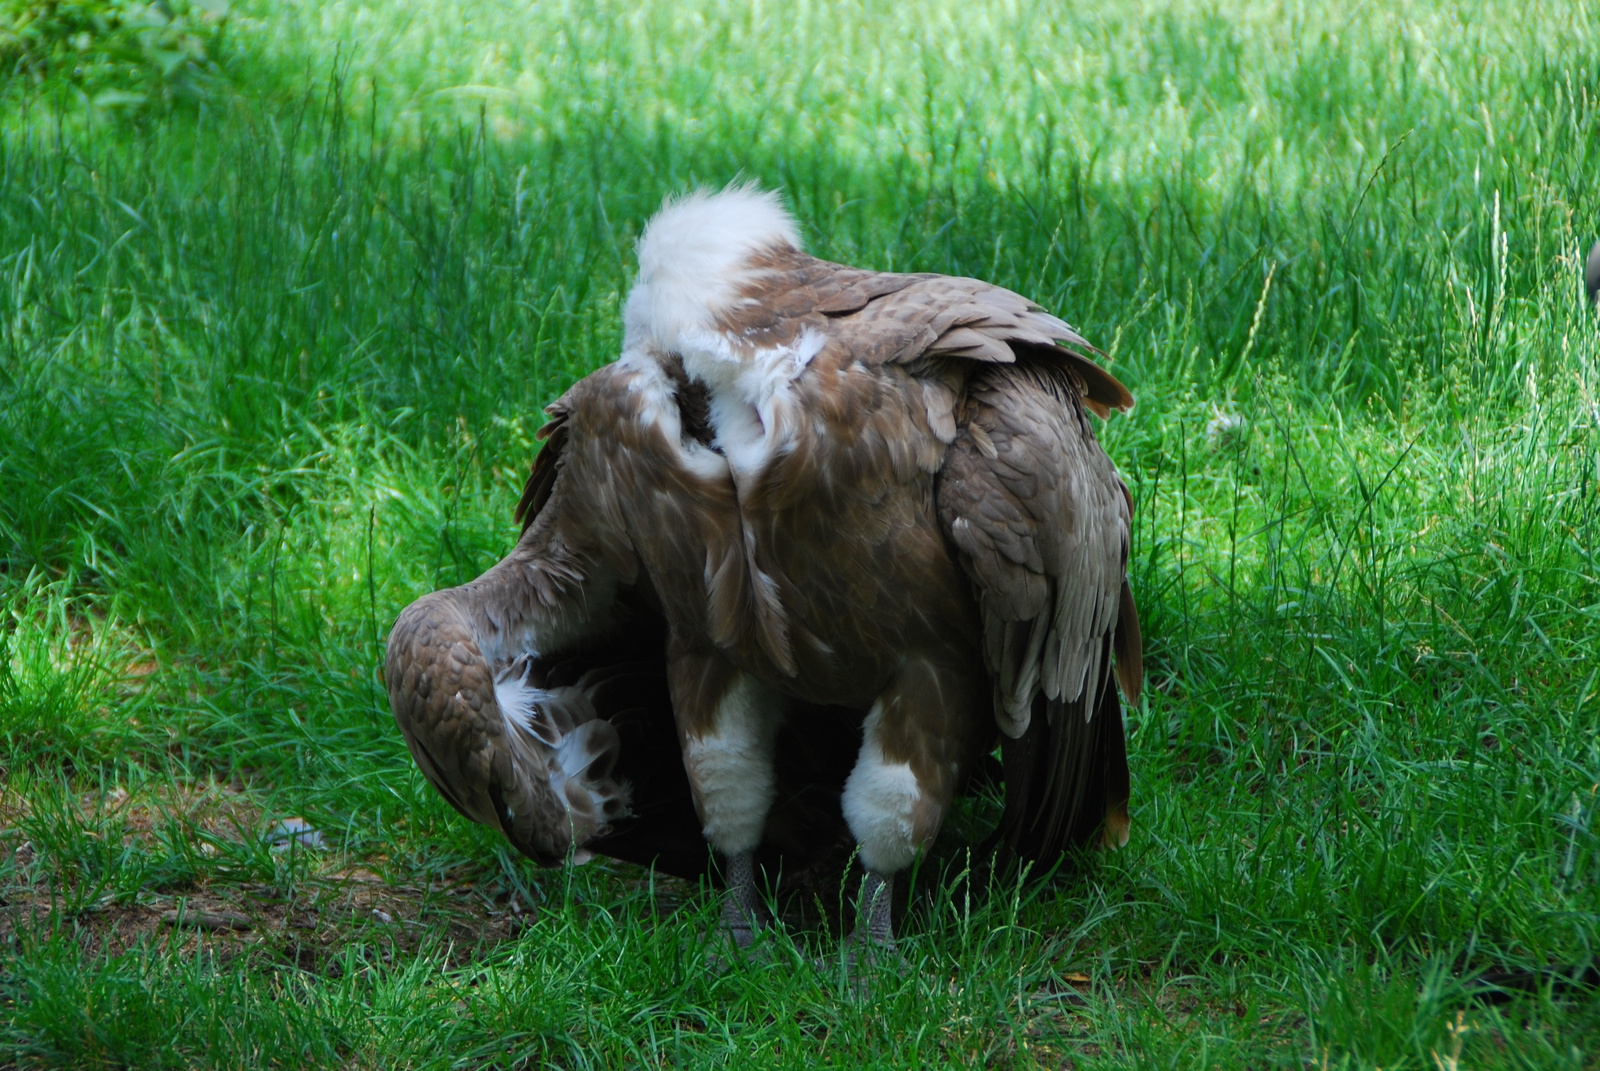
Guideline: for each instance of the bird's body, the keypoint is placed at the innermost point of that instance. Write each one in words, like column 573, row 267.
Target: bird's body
column 839, row 490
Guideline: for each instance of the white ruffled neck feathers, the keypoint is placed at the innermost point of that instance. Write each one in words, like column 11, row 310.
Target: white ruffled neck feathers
column 693, row 260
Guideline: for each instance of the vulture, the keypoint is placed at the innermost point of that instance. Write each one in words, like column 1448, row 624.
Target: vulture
column 792, row 569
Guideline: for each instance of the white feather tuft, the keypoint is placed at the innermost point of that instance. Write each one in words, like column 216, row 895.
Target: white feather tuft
column 693, row 258
column 879, row 802
column 520, row 702
column 578, row 748
column 731, row 767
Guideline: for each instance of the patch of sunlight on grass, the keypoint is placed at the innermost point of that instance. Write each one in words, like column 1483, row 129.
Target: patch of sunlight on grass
column 1300, row 96
column 71, row 679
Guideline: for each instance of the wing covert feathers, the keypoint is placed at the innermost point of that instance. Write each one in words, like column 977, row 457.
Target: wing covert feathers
column 889, row 318
column 1038, row 511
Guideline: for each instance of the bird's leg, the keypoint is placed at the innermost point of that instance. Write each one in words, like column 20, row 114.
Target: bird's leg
column 741, row 905
column 917, row 739
column 873, row 924
column 872, row 941
column 729, row 725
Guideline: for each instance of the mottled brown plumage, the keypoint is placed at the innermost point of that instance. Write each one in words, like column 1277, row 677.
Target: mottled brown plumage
column 863, row 510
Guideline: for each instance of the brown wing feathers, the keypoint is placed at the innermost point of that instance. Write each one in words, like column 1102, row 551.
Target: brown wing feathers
column 542, row 480
column 1128, row 645
column 1041, row 518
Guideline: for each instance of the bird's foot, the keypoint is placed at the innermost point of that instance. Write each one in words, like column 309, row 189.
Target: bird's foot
column 864, row 956
column 739, row 925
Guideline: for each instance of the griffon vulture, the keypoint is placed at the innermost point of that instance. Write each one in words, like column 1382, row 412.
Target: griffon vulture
column 833, row 512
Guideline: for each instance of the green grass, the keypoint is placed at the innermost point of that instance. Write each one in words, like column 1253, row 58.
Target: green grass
column 272, row 354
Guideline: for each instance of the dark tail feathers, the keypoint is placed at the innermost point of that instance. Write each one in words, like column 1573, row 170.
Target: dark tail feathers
column 1067, row 776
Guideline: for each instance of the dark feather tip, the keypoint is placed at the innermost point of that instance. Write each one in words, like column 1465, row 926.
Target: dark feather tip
column 1591, row 274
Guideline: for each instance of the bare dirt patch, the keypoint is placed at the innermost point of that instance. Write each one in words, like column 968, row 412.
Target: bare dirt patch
column 319, row 903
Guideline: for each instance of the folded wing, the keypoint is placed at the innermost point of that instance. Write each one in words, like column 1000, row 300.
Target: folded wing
column 1042, row 522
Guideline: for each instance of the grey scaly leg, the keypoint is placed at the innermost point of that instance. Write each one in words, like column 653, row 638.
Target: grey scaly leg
column 873, row 923
column 741, row 904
